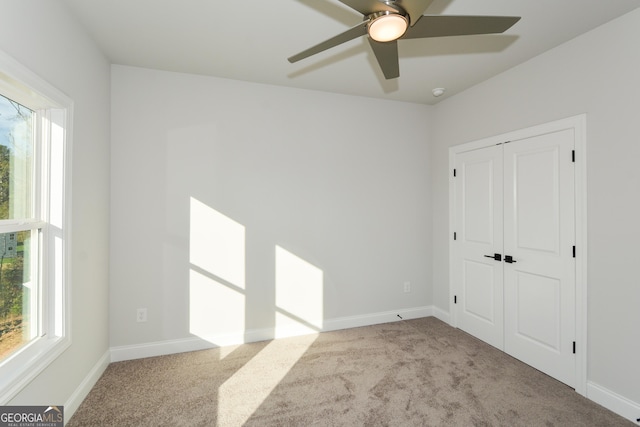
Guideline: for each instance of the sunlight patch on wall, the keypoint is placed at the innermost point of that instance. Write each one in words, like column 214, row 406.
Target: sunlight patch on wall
column 217, row 244
column 216, row 311
column 217, row 276
column 299, row 295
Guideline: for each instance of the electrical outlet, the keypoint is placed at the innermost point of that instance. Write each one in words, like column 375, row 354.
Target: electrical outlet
column 141, row 315
column 407, row 287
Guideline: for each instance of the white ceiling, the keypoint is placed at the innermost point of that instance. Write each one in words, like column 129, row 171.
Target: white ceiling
column 251, row 40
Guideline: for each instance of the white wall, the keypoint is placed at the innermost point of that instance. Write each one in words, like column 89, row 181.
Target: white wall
column 44, row 38
column 308, row 172
column 596, row 74
column 340, row 182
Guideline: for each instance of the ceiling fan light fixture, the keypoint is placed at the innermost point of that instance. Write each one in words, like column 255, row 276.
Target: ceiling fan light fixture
column 387, row 26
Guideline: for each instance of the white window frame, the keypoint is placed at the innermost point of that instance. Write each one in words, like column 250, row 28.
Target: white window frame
column 54, row 111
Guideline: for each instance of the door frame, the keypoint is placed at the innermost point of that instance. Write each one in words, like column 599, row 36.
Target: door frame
column 578, row 125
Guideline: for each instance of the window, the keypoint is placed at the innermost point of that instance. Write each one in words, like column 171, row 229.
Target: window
column 18, row 285
column 34, row 195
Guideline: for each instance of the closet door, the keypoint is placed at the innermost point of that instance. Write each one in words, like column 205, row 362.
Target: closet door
column 477, row 271
column 539, row 237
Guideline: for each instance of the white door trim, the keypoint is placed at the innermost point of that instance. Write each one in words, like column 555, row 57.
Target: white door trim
column 578, row 125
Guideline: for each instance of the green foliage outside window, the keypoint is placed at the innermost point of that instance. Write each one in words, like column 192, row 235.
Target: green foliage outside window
column 15, row 203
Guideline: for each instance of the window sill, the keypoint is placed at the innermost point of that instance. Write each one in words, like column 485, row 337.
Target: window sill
column 22, row 367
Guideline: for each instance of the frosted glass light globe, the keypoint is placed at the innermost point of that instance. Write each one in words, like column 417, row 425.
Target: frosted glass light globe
column 389, row 27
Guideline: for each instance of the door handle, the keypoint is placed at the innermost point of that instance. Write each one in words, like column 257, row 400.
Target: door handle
column 497, row 257
column 509, row 259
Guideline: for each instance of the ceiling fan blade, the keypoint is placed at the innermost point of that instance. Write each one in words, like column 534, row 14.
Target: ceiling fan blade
column 441, row 26
column 350, row 34
column 387, row 56
column 367, row 7
column 414, row 8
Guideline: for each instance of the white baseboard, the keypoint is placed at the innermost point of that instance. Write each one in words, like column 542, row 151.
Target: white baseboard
column 74, row 401
column 442, row 315
column 376, row 318
column 613, row 401
column 160, row 348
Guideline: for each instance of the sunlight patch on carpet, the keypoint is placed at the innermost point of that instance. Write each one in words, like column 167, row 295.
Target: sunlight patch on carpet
column 243, row 393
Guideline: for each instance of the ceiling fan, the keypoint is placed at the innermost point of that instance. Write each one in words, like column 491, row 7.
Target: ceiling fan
column 387, row 21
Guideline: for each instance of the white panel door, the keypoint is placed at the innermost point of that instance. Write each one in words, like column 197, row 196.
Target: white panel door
column 515, row 201
column 539, row 235
column 477, row 274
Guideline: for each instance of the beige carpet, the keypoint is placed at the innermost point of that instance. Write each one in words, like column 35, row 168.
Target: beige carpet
column 409, row 373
